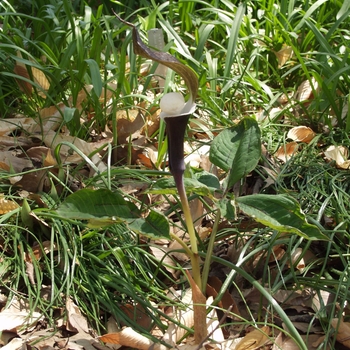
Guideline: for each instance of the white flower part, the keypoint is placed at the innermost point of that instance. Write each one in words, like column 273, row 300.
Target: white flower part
column 173, row 105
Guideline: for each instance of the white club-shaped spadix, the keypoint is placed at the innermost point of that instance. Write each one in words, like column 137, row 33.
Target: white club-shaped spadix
column 173, row 104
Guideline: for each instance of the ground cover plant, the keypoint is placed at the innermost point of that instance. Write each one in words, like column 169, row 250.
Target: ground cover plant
column 93, row 237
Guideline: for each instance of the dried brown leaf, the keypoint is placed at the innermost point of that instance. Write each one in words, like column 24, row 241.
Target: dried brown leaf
column 42, row 249
column 30, row 272
column 184, row 317
column 148, row 157
column 11, row 319
column 40, row 78
column 4, row 166
column 197, row 211
column 14, row 162
column 322, row 300
column 7, row 205
column 301, row 134
column 284, row 55
column 33, row 182
column 76, row 322
column 312, row 341
column 286, row 151
column 8, row 125
column 304, row 261
column 106, row 95
column 49, row 159
column 5, row 337
column 138, row 314
column 342, row 331
column 305, row 90
column 128, row 337
column 25, row 86
column 226, row 302
column 278, row 253
column 200, row 311
column 254, row 339
column 162, row 255
column 14, row 344
column 340, row 154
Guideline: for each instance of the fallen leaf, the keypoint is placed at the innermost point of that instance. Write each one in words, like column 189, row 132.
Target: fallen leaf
column 9, row 125
column 199, row 310
column 312, row 341
column 14, row 344
column 128, row 337
column 214, row 329
column 30, row 272
column 13, row 320
column 106, row 95
column 33, row 181
column 227, row 302
column 5, row 337
column 284, row 55
column 301, row 134
column 39, row 78
column 42, row 249
column 76, row 322
column 340, row 154
column 285, row 152
column 185, row 317
column 138, row 314
column 7, row 205
column 162, row 255
column 306, row 89
column 254, row 339
column 342, row 331
column 24, row 85
column 197, row 212
column 301, row 263
column 278, row 253
column 4, row 166
column 15, row 163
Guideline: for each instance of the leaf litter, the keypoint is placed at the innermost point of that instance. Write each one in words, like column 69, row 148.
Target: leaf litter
column 17, row 320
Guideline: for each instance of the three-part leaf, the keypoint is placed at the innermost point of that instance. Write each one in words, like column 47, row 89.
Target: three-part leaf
column 281, row 213
column 237, row 150
column 103, row 208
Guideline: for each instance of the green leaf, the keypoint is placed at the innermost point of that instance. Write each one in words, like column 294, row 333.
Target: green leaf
column 233, row 39
column 103, row 207
column 155, row 225
column 281, row 213
column 344, row 8
column 237, row 149
column 88, row 203
column 69, row 113
column 167, row 186
column 308, row 14
column 95, row 76
column 208, row 179
column 227, row 208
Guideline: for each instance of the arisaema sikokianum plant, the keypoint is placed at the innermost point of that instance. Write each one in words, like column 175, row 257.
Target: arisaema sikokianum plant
column 175, row 111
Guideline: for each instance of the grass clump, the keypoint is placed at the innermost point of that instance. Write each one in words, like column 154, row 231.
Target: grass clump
column 285, row 64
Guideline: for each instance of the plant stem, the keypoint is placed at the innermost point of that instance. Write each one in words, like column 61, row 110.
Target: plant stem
column 179, row 181
column 206, row 267
column 176, row 127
